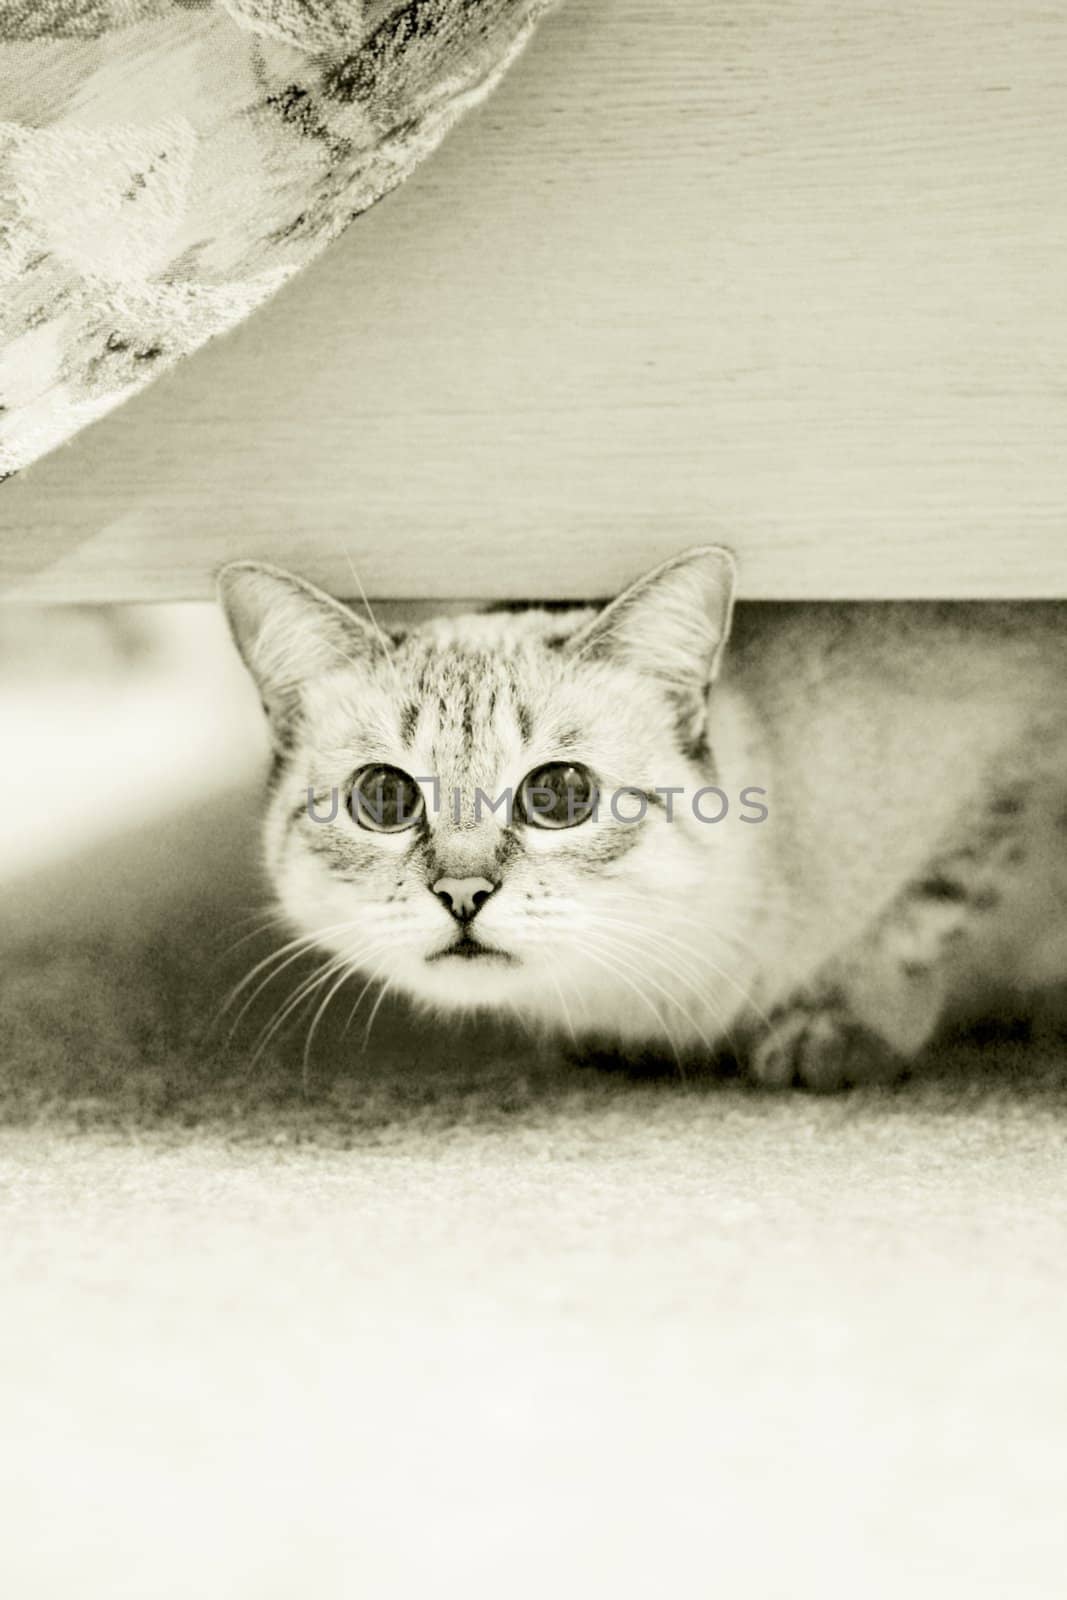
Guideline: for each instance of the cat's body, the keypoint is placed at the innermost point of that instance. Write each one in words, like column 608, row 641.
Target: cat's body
column 911, row 762
column 919, row 853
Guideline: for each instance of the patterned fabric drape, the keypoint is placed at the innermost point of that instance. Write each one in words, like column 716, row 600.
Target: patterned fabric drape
column 165, row 165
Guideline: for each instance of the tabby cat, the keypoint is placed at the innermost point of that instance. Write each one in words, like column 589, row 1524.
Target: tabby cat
column 803, row 835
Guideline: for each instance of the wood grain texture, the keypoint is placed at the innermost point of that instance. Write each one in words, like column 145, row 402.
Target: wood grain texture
column 788, row 275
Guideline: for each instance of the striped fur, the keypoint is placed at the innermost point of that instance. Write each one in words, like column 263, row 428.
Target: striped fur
column 912, row 762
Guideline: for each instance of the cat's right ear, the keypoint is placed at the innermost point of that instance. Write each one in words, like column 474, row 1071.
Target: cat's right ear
column 288, row 632
column 672, row 626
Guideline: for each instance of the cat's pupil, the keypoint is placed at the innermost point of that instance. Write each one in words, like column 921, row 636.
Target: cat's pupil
column 559, row 795
column 385, row 799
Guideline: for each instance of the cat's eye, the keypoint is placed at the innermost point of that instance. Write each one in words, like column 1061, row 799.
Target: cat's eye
column 385, row 800
column 558, row 795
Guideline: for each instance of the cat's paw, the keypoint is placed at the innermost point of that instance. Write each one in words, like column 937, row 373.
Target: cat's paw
column 823, row 1050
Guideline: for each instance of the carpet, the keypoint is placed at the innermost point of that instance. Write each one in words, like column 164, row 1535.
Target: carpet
column 440, row 1310
column 461, row 1314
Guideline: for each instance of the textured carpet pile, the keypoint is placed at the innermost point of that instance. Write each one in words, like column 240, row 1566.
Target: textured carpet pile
column 462, row 1315
column 442, row 1311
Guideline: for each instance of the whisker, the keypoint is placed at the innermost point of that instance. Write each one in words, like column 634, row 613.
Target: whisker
column 360, row 996
column 698, row 961
column 374, row 1012
column 264, row 917
column 692, row 982
column 614, row 949
column 724, row 936
column 386, row 647
column 303, row 944
column 610, row 966
column 303, row 992
column 255, row 934
column 708, row 962
column 566, row 1009
column 305, row 1064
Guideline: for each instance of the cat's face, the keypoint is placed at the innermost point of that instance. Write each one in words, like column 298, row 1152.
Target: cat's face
column 432, row 818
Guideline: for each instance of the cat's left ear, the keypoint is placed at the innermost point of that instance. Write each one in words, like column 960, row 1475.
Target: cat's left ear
column 671, row 625
column 289, row 632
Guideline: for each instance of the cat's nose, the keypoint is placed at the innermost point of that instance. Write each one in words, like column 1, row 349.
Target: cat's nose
column 464, row 897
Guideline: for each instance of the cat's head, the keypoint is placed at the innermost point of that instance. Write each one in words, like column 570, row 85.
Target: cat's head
column 431, row 815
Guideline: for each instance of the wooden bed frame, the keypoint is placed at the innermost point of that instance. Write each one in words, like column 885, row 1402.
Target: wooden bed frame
column 788, row 274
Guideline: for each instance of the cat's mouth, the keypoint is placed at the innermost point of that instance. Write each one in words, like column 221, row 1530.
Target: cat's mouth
column 467, row 948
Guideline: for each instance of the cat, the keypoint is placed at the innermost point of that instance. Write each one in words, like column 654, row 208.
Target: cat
column 804, row 835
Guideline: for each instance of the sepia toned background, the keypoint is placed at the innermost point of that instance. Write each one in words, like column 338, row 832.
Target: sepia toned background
column 442, row 1310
